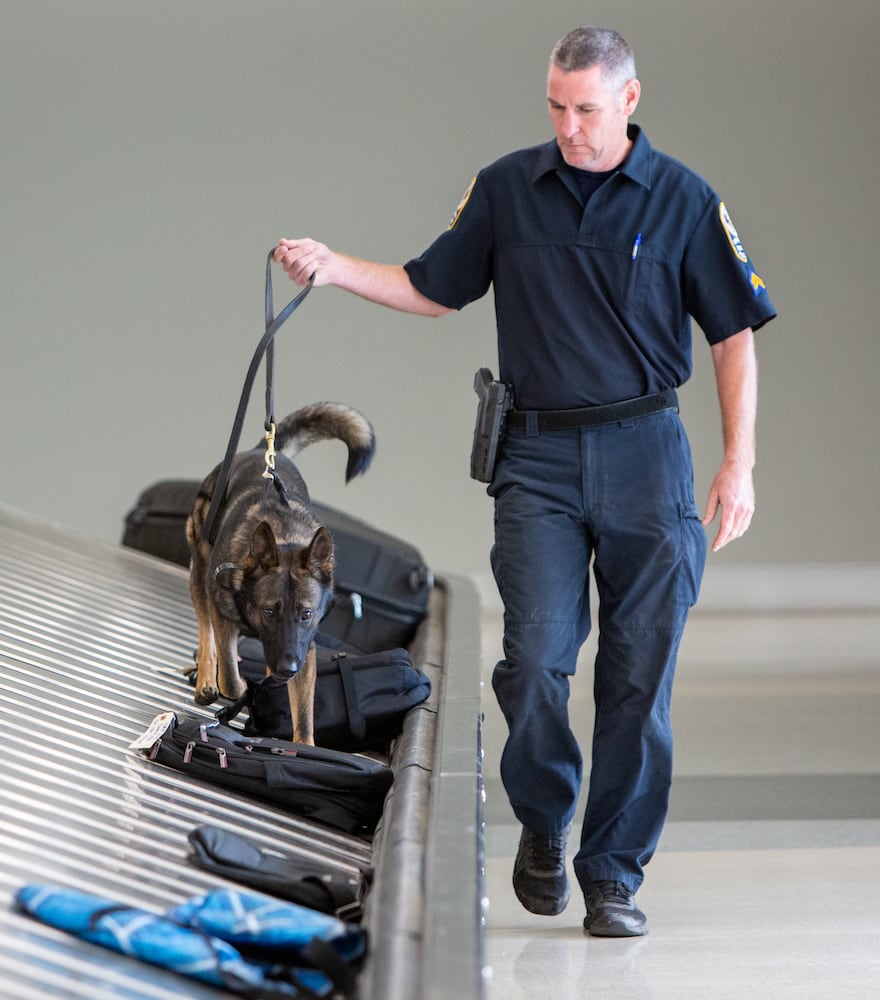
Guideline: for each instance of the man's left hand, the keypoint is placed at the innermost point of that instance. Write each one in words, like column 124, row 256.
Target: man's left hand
column 733, row 492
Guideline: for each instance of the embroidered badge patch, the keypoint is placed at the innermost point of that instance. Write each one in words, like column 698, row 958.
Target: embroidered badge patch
column 732, row 235
column 464, row 200
column 757, row 283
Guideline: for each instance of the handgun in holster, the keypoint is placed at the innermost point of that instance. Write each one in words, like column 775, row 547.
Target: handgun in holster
column 494, row 400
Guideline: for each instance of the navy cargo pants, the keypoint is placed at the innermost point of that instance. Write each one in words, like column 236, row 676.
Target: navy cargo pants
column 620, row 496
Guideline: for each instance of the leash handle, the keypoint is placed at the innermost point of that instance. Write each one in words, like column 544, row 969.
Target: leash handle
column 273, row 324
column 270, row 350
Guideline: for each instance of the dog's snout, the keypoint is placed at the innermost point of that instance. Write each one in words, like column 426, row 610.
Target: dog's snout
column 287, row 671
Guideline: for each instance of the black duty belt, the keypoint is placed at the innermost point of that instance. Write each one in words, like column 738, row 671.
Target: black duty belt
column 591, row 416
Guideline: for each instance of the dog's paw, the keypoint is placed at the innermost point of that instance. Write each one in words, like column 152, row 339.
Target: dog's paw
column 206, row 694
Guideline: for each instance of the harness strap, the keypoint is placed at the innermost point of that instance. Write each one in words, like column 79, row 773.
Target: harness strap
column 265, row 344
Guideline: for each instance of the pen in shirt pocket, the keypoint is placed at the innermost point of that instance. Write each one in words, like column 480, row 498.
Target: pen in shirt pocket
column 631, row 278
column 637, row 243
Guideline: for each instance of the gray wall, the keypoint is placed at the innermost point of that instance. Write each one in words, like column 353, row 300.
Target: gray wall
column 152, row 153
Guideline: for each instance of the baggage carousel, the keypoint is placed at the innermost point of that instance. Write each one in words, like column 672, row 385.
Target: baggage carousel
column 94, row 640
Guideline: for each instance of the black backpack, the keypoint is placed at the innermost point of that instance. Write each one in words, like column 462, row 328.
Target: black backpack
column 342, row 790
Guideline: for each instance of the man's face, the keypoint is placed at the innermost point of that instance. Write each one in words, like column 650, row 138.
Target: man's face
column 589, row 120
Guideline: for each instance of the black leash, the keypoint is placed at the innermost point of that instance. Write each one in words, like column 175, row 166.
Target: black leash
column 265, row 346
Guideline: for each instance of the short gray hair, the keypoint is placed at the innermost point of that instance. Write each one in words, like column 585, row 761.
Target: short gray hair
column 592, row 46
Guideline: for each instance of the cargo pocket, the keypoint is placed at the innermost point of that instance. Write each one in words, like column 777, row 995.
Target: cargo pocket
column 693, row 556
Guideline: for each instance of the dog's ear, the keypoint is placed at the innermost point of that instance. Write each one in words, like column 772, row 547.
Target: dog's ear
column 263, row 554
column 319, row 555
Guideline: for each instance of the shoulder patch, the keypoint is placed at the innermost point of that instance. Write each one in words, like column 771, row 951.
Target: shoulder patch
column 732, row 235
column 757, row 283
column 464, row 200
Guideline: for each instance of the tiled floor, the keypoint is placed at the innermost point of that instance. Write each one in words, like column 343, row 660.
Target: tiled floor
column 767, row 882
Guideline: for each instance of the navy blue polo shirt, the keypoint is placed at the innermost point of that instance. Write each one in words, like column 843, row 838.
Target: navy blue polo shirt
column 594, row 302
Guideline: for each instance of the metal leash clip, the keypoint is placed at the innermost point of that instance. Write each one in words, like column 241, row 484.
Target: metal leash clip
column 269, row 472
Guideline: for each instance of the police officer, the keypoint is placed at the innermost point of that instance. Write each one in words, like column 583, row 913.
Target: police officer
column 599, row 250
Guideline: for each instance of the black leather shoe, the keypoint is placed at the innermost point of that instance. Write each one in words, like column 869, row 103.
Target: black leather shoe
column 539, row 878
column 612, row 912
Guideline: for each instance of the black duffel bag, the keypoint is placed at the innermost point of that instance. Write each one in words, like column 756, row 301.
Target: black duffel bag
column 361, row 699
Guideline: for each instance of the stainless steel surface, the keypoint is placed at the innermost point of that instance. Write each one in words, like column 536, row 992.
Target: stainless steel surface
column 454, row 963
column 426, row 913
column 93, row 640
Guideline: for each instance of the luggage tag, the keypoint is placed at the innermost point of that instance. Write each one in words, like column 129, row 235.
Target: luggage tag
column 156, row 730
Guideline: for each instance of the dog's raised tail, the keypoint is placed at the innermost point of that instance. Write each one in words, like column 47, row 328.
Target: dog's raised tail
column 322, row 422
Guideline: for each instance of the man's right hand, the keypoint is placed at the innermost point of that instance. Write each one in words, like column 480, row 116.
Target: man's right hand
column 302, row 258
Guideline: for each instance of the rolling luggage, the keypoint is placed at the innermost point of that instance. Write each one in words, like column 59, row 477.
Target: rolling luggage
column 382, row 584
column 157, row 522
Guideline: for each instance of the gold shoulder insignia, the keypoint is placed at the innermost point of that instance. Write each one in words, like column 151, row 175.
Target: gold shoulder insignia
column 757, row 283
column 461, row 204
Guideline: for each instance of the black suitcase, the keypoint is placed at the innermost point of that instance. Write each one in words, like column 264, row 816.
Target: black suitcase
column 343, row 790
column 157, row 522
column 382, row 584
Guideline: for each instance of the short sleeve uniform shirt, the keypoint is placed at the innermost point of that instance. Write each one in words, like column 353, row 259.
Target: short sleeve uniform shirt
column 594, row 302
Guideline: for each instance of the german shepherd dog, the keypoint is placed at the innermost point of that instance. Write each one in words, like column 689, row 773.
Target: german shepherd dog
column 269, row 570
